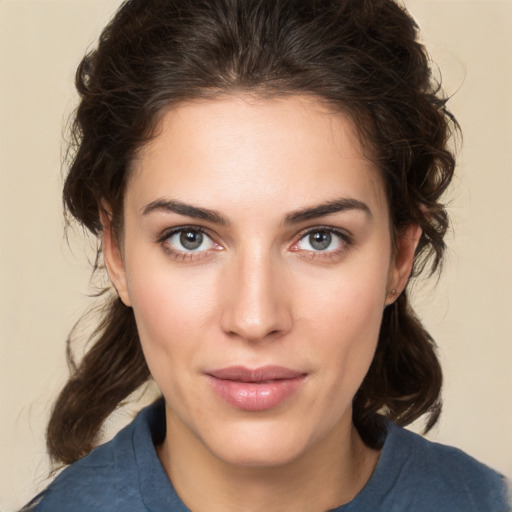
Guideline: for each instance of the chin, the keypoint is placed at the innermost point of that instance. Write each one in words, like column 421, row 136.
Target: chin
column 257, row 447
column 259, row 457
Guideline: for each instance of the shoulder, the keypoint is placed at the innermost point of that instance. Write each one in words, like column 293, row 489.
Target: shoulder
column 107, row 478
column 445, row 477
column 104, row 476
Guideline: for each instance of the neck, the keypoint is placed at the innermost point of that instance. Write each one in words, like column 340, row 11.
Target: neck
column 328, row 475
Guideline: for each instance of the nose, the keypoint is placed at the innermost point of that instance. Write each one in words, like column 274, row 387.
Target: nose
column 256, row 305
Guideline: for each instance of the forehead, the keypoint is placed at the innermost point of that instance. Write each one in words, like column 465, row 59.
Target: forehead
column 250, row 151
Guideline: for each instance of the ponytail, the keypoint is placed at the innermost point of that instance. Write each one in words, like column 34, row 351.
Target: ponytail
column 111, row 369
column 405, row 378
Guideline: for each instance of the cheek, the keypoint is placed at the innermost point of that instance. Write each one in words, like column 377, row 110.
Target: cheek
column 349, row 329
column 351, row 299
column 347, row 353
column 171, row 309
column 345, row 316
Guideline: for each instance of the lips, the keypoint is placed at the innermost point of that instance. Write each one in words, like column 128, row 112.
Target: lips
column 255, row 389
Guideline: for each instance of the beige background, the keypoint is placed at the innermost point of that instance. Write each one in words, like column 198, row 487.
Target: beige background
column 44, row 284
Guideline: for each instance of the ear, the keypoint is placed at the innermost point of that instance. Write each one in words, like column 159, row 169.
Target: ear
column 113, row 254
column 402, row 262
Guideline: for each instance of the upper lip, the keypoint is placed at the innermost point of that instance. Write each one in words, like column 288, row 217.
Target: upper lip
column 261, row 374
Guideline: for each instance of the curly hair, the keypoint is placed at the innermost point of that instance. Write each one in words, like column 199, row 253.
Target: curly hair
column 364, row 59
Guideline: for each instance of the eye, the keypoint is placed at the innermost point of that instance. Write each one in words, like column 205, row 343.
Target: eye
column 187, row 240
column 322, row 240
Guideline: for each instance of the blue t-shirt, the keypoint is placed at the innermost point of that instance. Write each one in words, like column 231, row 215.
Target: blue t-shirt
column 412, row 475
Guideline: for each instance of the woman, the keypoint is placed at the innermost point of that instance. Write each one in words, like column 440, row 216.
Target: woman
column 264, row 177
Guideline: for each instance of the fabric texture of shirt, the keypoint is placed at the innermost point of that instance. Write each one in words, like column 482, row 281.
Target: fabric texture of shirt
column 412, row 475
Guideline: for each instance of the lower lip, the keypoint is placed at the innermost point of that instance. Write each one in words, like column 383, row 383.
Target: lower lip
column 255, row 396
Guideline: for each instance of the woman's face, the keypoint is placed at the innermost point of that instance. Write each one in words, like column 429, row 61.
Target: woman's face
column 257, row 257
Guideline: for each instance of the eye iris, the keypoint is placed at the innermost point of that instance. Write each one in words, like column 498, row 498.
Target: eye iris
column 320, row 240
column 191, row 240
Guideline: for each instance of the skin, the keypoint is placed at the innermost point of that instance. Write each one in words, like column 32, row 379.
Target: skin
column 256, row 293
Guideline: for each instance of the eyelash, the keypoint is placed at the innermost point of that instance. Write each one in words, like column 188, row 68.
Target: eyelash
column 184, row 256
column 187, row 256
column 345, row 240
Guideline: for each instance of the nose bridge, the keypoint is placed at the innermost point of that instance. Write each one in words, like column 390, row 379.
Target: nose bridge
column 256, row 304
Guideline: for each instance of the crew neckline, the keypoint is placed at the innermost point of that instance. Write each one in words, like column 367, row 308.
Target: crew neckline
column 158, row 493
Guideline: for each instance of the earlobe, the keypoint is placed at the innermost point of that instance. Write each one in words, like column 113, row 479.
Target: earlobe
column 113, row 255
column 402, row 263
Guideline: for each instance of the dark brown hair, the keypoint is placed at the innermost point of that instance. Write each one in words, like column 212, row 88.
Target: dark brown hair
column 363, row 58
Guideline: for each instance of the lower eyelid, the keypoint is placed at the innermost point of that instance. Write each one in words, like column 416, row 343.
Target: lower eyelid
column 183, row 255
column 186, row 256
column 343, row 239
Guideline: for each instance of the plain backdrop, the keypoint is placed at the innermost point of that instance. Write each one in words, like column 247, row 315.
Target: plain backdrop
column 44, row 282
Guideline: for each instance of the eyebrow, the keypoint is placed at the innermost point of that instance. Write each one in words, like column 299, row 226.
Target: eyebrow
column 328, row 208
column 295, row 217
column 185, row 209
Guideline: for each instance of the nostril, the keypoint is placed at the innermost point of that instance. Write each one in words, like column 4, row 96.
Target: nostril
column 255, row 335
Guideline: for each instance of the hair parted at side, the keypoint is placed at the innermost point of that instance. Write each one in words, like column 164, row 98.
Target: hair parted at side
column 361, row 57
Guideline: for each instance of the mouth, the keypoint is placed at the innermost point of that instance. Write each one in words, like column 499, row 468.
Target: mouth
column 257, row 389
